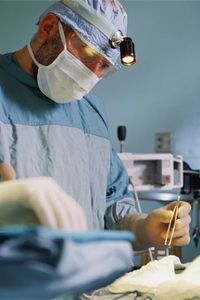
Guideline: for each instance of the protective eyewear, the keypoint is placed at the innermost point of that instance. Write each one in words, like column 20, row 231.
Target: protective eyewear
column 115, row 37
column 91, row 57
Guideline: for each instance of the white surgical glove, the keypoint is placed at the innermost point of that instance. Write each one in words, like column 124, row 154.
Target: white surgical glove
column 42, row 196
column 150, row 229
column 156, row 224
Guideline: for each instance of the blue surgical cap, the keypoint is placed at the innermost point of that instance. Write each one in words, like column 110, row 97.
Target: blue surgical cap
column 111, row 10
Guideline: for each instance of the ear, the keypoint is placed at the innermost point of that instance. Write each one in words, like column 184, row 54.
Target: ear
column 48, row 27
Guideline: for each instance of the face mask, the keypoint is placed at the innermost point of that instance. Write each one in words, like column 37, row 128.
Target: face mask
column 66, row 79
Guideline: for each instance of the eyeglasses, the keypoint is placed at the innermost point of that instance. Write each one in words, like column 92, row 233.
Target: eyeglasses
column 91, row 57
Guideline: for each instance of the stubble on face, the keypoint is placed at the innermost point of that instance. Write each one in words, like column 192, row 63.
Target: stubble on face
column 47, row 53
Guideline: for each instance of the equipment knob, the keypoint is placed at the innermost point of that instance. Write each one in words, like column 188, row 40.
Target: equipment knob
column 121, row 133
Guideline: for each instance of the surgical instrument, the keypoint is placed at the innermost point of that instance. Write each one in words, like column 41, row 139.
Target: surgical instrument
column 172, row 224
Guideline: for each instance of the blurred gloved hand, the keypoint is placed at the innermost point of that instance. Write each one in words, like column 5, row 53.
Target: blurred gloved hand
column 42, row 196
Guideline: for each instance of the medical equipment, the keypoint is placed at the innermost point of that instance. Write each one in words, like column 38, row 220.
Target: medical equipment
column 127, row 48
column 172, row 224
column 153, row 171
column 161, row 171
column 115, row 36
column 121, row 133
column 191, row 187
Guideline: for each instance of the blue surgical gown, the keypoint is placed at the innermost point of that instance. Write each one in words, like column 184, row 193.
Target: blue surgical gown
column 68, row 142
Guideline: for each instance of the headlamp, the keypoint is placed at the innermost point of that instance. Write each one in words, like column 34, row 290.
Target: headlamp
column 127, row 48
column 126, row 45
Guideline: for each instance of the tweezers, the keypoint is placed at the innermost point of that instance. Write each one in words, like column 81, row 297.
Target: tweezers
column 172, row 224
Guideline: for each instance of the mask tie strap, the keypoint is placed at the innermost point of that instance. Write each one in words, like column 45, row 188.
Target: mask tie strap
column 32, row 55
column 62, row 35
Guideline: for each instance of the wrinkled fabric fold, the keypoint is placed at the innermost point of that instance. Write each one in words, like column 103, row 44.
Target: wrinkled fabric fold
column 39, row 263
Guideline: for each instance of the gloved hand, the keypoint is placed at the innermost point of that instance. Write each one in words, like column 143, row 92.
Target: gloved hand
column 51, row 205
column 152, row 228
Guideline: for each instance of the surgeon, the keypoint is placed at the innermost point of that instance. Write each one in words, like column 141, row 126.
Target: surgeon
column 52, row 125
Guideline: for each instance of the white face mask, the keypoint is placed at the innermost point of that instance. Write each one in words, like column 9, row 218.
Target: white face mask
column 66, row 79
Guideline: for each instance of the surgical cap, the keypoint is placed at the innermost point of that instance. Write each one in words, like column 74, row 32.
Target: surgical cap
column 111, row 10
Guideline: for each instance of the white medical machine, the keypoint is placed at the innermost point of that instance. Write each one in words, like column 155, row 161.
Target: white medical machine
column 153, row 171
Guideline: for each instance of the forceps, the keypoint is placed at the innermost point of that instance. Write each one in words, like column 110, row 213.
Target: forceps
column 172, row 224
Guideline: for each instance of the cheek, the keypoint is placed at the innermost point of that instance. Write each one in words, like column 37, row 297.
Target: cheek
column 48, row 52
column 74, row 51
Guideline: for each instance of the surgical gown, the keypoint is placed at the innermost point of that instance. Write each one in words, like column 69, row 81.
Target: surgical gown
column 68, row 142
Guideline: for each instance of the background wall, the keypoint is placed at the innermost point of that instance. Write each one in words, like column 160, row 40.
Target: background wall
column 161, row 93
